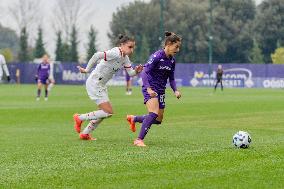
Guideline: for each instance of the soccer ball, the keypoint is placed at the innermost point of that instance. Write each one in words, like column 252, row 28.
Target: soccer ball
column 241, row 139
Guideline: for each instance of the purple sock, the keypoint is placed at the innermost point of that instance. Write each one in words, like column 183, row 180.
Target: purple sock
column 146, row 125
column 139, row 119
column 38, row 92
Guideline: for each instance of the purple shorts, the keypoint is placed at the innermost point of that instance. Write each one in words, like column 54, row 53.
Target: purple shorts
column 43, row 80
column 127, row 77
column 161, row 98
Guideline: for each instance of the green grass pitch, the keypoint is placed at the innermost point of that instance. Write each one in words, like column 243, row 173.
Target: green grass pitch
column 191, row 149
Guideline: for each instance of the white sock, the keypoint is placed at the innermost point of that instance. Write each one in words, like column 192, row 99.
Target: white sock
column 50, row 86
column 92, row 126
column 94, row 115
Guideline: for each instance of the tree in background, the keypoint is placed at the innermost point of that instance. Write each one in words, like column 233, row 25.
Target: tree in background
column 69, row 13
column 59, row 47
column 23, row 52
column 39, row 50
column 26, row 14
column 232, row 36
column 142, row 51
column 256, row 56
column 145, row 50
column 92, row 48
column 189, row 19
column 8, row 54
column 136, row 55
column 138, row 12
column 269, row 26
column 65, row 52
column 231, row 29
column 74, row 45
column 278, row 56
column 9, row 39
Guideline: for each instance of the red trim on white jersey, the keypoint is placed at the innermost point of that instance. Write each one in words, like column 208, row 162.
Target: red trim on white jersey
column 105, row 58
column 121, row 53
column 127, row 66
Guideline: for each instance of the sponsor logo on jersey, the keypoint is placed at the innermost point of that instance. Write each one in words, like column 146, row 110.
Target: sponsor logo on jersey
column 115, row 69
column 150, row 61
column 164, row 68
column 44, row 66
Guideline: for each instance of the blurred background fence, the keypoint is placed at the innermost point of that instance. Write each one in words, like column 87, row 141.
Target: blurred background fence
column 195, row 75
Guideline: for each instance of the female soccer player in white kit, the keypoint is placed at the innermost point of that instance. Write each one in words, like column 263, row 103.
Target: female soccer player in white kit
column 110, row 62
column 51, row 76
column 3, row 67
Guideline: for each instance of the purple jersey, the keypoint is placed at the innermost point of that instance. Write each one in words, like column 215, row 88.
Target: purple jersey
column 43, row 70
column 157, row 71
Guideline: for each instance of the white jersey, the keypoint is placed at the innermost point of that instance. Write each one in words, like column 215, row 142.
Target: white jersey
column 109, row 62
column 3, row 66
column 51, row 71
column 112, row 62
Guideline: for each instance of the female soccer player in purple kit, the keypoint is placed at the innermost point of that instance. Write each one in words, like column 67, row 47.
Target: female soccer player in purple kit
column 42, row 76
column 159, row 68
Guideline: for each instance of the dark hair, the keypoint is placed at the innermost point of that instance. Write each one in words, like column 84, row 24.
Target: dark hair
column 171, row 37
column 124, row 39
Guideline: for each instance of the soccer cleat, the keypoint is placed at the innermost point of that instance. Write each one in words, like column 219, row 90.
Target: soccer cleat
column 37, row 98
column 78, row 123
column 86, row 137
column 130, row 119
column 139, row 142
column 46, row 99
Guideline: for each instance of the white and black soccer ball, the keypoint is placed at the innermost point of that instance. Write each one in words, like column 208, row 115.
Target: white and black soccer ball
column 241, row 139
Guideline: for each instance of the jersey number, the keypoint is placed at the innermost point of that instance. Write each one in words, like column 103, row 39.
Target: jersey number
column 162, row 98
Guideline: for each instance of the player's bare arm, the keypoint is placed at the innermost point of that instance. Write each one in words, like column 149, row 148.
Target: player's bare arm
column 139, row 68
column 81, row 69
column 177, row 94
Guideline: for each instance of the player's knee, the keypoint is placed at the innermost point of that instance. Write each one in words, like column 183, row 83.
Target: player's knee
column 109, row 113
column 93, row 121
column 103, row 113
column 160, row 118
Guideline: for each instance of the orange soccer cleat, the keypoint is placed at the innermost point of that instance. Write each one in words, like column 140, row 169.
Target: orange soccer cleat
column 86, row 137
column 139, row 142
column 130, row 119
column 78, row 123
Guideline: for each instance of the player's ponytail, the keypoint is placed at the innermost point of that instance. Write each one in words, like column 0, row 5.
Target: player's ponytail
column 171, row 37
column 120, row 36
column 167, row 33
column 124, row 39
